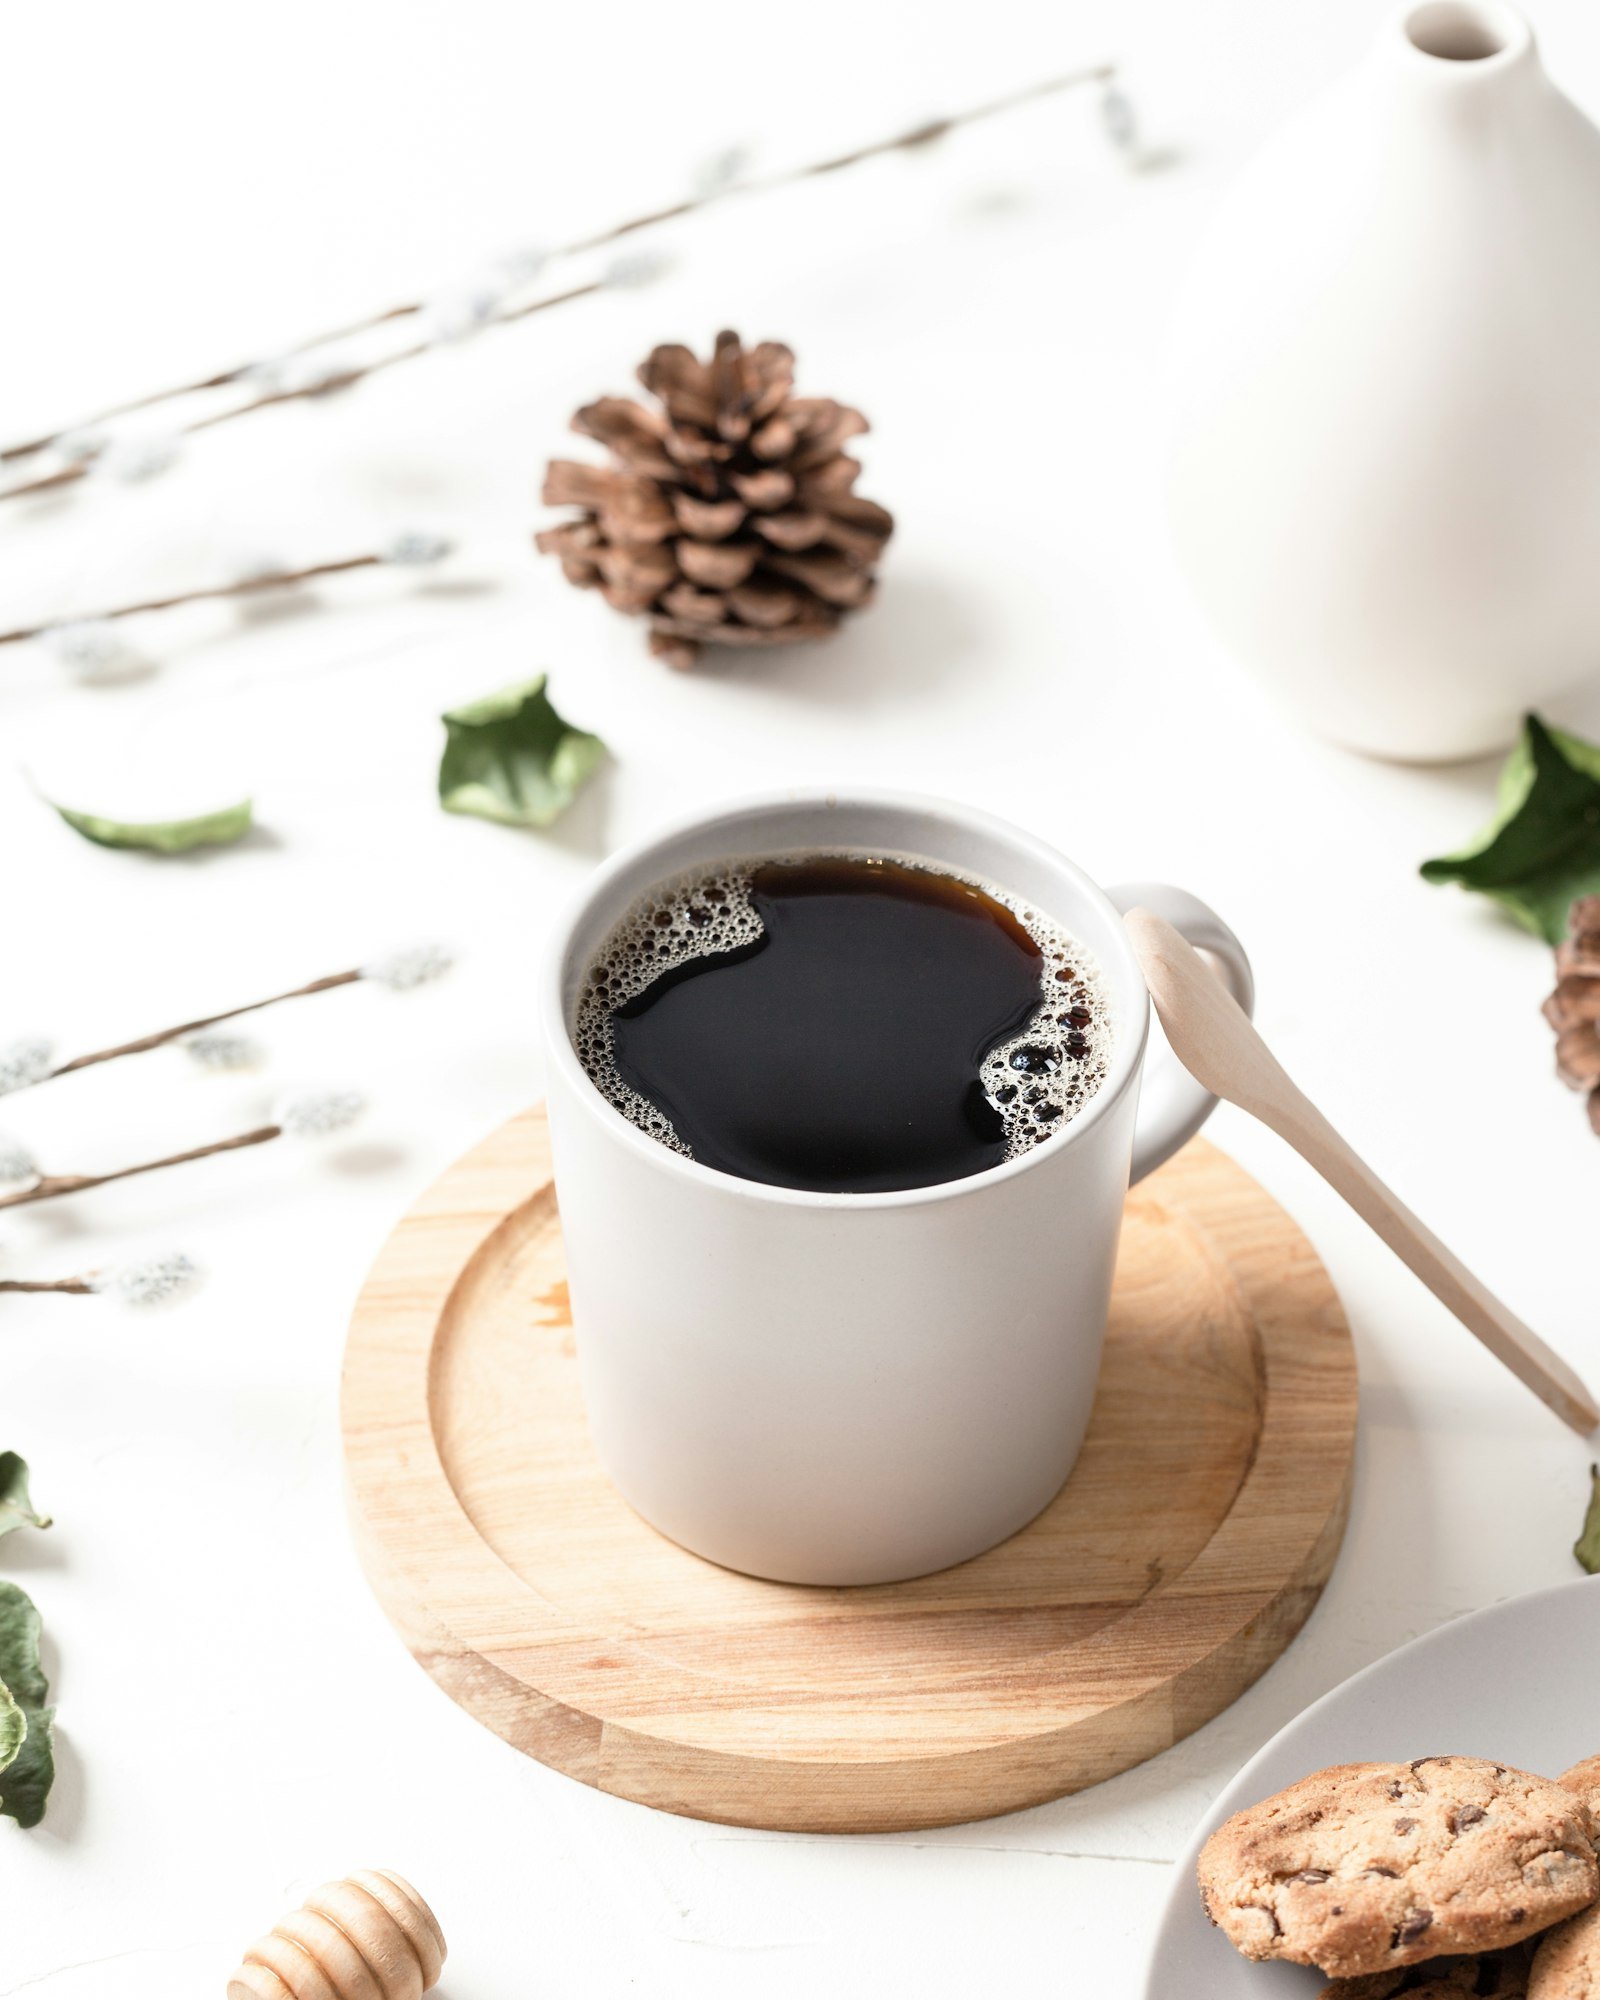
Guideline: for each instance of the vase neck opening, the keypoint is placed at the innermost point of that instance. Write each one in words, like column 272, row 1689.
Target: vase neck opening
column 1465, row 36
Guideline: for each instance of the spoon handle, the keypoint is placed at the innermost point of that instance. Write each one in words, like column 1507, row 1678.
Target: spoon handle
column 1215, row 1039
column 1529, row 1358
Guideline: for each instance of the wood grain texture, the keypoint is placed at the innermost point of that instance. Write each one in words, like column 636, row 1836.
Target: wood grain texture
column 1184, row 1553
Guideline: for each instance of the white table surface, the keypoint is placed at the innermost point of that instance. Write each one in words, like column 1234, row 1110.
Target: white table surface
column 189, row 185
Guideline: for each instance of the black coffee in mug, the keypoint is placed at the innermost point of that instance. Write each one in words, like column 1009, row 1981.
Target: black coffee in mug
column 847, row 1023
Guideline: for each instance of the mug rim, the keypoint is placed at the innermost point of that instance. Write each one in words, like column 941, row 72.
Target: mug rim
column 1127, row 1056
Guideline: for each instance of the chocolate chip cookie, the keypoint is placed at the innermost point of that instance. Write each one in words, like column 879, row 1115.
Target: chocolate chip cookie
column 1370, row 1868
column 1497, row 1975
column 1584, row 1779
column 1566, row 1965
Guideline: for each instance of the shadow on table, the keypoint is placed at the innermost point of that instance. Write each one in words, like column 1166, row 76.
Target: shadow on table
column 370, row 1156
column 581, row 829
column 64, row 1815
column 918, row 636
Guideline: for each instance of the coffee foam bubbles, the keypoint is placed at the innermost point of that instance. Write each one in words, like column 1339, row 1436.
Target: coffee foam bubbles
column 1037, row 1081
column 693, row 916
column 1042, row 1078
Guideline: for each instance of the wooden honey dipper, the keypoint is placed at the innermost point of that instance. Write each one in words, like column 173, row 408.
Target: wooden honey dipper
column 369, row 1937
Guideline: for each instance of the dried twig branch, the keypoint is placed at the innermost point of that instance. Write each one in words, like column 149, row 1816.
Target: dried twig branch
column 150, row 1281
column 49, row 1186
column 68, row 475
column 30, row 1060
column 907, row 141
column 242, row 587
column 141, row 1043
column 309, row 1115
column 415, row 549
column 221, row 380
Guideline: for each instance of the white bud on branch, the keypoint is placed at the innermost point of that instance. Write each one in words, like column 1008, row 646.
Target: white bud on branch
column 135, row 461
column 24, row 1061
column 1118, row 120
column 18, row 1167
column 79, row 447
column 458, row 315
column 521, row 266
column 91, row 648
column 154, row 1281
column 318, row 1114
column 722, row 171
column 413, row 966
column 416, row 548
column 222, row 1053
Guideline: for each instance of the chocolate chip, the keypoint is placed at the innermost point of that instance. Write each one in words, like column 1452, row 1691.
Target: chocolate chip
column 1310, row 1875
column 1518, row 1914
column 1414, row 1924
column 1389, row 1874
column 1405, row 1825
column 1465, row 1816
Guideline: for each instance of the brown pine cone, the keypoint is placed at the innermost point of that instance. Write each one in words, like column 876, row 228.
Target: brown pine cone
column 729, row 516
column 1573, row 1010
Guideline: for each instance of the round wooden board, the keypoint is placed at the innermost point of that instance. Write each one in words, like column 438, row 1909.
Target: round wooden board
column 1178, row 1561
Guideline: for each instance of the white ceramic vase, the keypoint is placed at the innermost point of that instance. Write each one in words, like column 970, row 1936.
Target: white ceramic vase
column 1384, row 416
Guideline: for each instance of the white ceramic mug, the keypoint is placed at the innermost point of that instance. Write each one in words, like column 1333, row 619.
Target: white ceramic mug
column 855, row 1388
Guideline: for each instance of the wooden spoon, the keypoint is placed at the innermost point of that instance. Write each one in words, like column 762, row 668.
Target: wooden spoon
column 1214, row 1039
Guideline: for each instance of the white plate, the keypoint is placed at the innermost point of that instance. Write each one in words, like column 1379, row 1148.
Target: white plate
column 1517, row 1682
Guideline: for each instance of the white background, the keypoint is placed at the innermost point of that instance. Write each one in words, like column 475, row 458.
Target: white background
column 189, row 185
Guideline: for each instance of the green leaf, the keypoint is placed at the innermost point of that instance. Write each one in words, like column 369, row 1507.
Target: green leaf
column 510, row 757
column 1587, row 1547
column 163, row 836
column 1542, row 848
column 26, row 1779
column 16, row 1509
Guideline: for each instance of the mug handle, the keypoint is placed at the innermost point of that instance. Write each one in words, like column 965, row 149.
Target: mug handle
column 1172, row 1106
